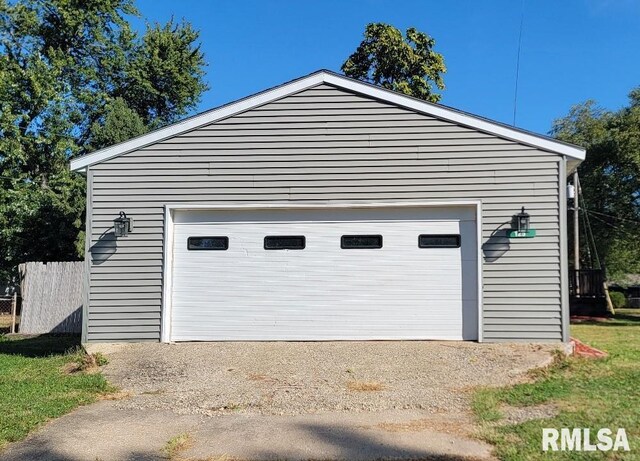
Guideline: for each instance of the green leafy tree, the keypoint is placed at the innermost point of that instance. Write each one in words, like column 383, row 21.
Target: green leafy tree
column 120, row 123
column 610, row 179
column 406, row 64
column 75, row 77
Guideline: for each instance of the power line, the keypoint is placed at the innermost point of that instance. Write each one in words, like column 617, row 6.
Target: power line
column 621, row 229
column 515, row 94
column 588, row 227
column 613, row 217
column 584, row 225
column 593, row 240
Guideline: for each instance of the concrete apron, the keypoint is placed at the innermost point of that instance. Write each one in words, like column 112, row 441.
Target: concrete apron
column 103, row 432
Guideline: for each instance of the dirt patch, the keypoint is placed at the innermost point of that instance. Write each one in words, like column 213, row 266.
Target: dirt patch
column 89, row 364
column 259, row 377
column 71, row 368
column 452, row 425
column 154, row 392
column 119, row 395
column 517, row 415
column 365, row 386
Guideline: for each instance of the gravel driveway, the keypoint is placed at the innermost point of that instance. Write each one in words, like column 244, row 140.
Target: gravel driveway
column 280, row 378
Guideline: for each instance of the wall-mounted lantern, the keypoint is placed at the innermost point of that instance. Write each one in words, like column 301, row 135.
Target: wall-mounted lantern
column 524, row 221
column 122, row 225
column 521, row 227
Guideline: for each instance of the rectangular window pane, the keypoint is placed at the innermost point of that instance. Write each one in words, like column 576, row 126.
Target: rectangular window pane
column 208, row 243
column 284, row 242
column 439, row 241
column 361, row 241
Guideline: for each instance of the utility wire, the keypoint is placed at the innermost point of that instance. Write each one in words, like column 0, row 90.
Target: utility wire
column 593, row 240
column 584, row 224
column 588, row 227
column 515, row 93
column 613, row 217
column 621, row 229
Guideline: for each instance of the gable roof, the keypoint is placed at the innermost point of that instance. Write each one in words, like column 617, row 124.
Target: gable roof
column 317, row 78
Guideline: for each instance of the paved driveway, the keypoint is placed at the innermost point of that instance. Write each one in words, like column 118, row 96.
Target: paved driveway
column 333, row 400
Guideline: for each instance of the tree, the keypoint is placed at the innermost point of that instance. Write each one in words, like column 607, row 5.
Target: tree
column 119, row 124
column 404, row 64
column 75, row 77
column 610, row 179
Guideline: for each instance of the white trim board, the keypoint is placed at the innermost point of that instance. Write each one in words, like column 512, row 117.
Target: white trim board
column 167, row 272
column 318, row 78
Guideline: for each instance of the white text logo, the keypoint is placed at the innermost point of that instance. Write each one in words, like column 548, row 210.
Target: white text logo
column 578, row 439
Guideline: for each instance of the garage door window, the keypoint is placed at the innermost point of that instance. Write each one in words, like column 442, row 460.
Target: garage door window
column 284, row 242
column 208, row 243
column 361, row 241
column 439, row 241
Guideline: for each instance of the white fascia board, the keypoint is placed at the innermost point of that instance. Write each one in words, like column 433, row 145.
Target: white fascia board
column 452, row 115
column 318, row 78
column 572, row 164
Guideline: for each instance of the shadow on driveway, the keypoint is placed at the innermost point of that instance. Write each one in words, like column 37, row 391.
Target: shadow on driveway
column 102, row 431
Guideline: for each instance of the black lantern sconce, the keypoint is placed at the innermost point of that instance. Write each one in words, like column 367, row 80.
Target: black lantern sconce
column 521, row 226
column 122, row 225
column 524, row 221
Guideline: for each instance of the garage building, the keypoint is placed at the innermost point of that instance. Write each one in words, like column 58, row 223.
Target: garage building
column 328, row 209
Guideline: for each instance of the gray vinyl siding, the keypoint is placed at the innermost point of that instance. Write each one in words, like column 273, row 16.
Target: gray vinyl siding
column 328, row 145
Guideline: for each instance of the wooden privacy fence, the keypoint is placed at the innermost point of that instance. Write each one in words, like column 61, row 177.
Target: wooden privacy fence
column 51, row 297
column 586, row 283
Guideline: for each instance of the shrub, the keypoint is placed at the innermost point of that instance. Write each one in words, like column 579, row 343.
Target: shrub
column 617, row 299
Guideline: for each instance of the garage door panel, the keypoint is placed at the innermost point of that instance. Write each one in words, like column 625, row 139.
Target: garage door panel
column 275, row 297
column 285, row 325
column 338, row 215
column 318, row 310
column 323, row 291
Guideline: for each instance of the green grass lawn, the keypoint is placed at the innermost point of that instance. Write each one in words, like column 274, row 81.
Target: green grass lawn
column 588, row 393
column 33, row 386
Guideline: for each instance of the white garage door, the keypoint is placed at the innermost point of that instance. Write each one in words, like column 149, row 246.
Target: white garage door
column 330, row 274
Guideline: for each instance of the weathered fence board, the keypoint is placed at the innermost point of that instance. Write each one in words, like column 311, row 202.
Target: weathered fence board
column 586, row 283
column 51, row 297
